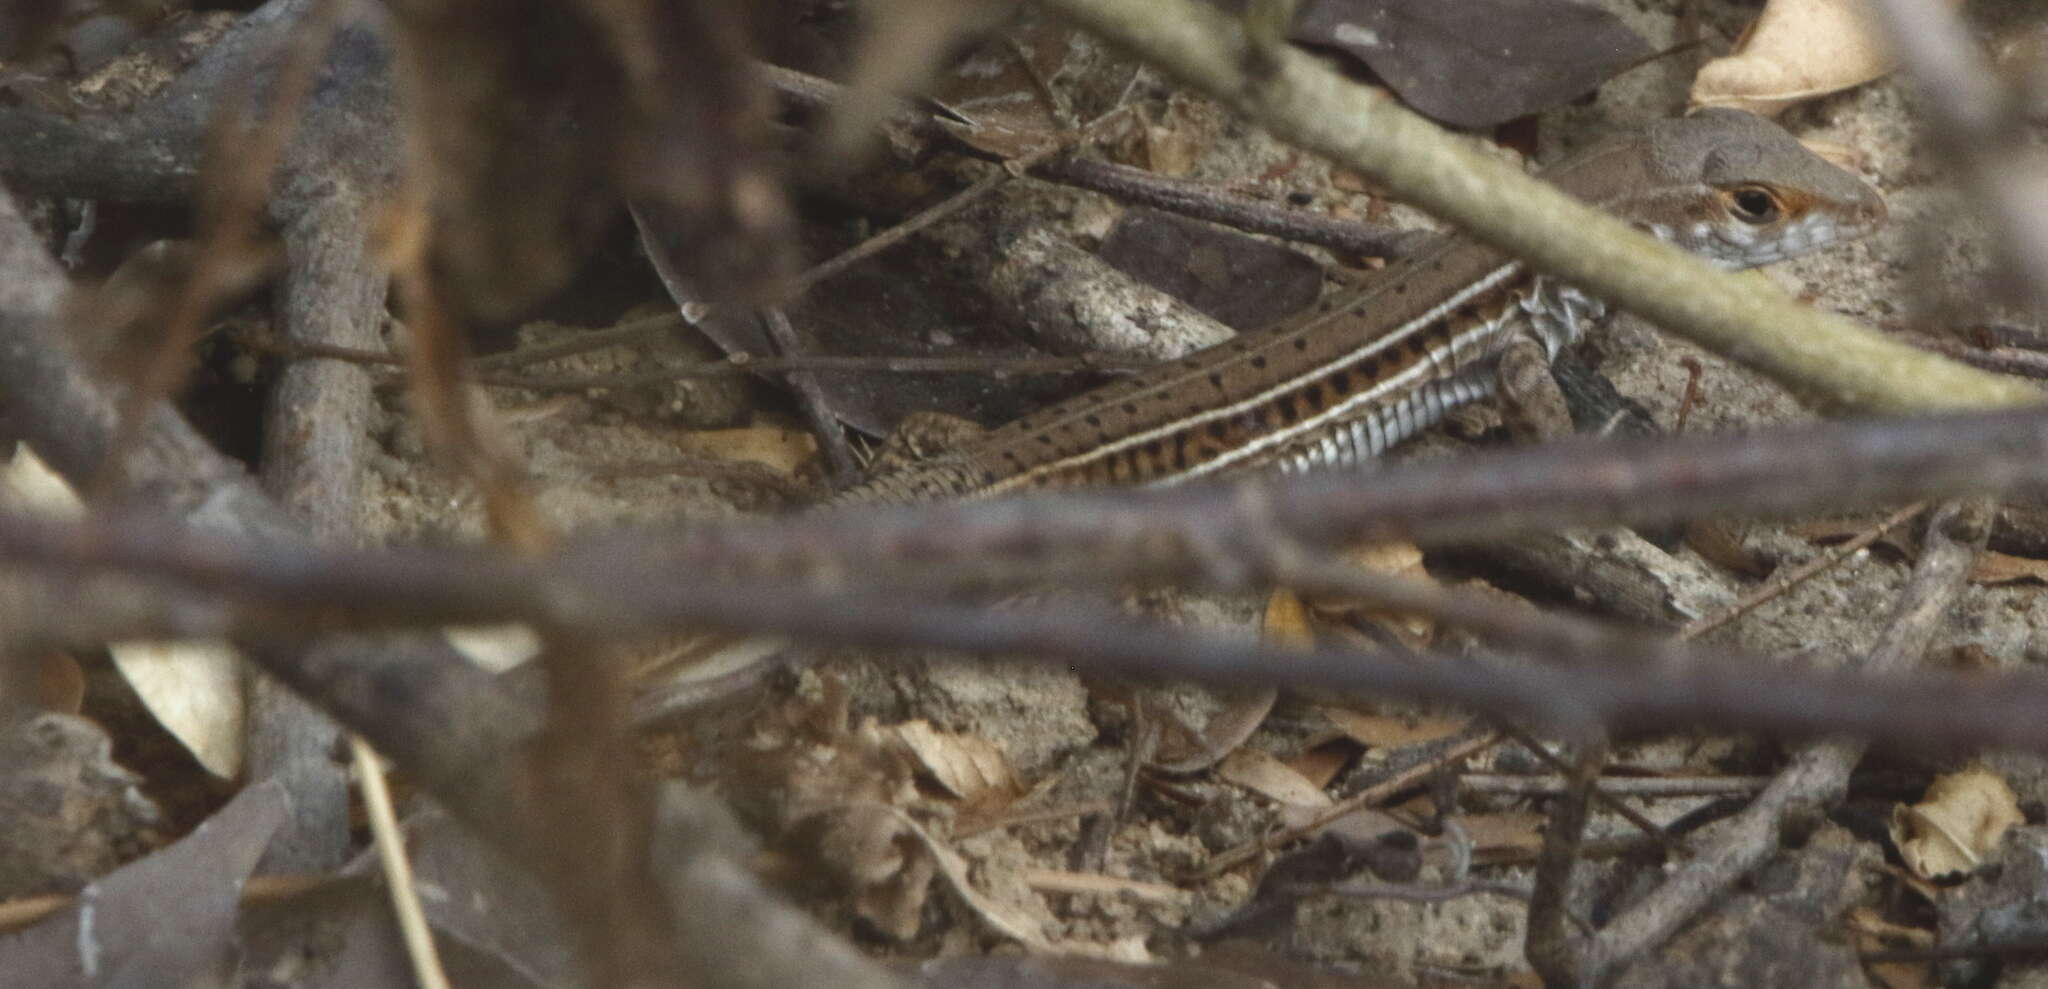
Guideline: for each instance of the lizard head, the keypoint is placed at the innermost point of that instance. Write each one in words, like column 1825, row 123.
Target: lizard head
column 1751, row 193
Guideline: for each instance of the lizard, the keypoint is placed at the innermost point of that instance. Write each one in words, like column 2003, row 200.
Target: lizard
column 1435, row 332
column 1363, row 372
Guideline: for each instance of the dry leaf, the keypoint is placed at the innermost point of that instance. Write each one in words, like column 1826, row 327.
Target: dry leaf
column 1323, row 758
column 1874, row 933
column 1184, row 748
column 1512, row 831
column 1286, row 622
column 1796, row 50
column 1961, row 820
column 496, row 648
column 1390, row 731
column 1094, row 883
column 1270, row 778
column 967, row 766
column 780, row 450
column 1993, row 567
column 1476, row 63
column 193, row 688
column 1397, row 559
column 1719, row 542
column 1019, row 922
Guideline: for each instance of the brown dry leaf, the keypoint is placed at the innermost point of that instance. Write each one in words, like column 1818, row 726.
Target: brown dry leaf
column 1020, row 916
column 1794, row 51
column 1719, row 542
column 1511, row 831
column 967, row 766
column 1993, row 567
column 1398, row 559
column 1286, row 621
column 1874, row 933
column 1184, row 748
column 1016, row 921
column 1961, row 820
column 1390, row 731
column 780, row 450
column 1268, row 777
column 1476, row 63
column 1095, row 883
column 1323, row 757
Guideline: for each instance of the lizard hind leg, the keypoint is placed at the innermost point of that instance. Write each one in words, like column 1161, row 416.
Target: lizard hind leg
column 1532, row 403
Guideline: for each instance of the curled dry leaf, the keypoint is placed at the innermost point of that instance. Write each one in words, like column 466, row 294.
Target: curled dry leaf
column 1024, row 923
column 496, row 648
column 1391, row 731
column 1796, row 50
column 1270, row 778
column 781, row 450
column 1397, row 559
column 1956, row 825
column 1286, row 621
column 967, row 766
column 193, row 688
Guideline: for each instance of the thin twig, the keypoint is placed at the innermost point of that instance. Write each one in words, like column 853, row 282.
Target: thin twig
column 257, row 890
column 2018, row 361
column 1600, row 794
column 1417, row 894
column 1203, row 201
column 1794, row 576
column 1819, row 773
column 2016, row 948
column 817, row 408
column 953, row 204
column 1136, row 186
column 623, row 334
column 398, row 875
column 230, row 222
column 1551, row 949
column 285, row 592
column 729, row 367
column 1224, row 861
column 1650, row 787
column 1304, row 101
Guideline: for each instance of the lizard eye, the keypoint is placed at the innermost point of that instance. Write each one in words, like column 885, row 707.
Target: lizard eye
column 1753, row 204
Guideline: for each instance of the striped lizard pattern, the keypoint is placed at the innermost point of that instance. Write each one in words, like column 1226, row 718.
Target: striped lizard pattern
column 1344, row 384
